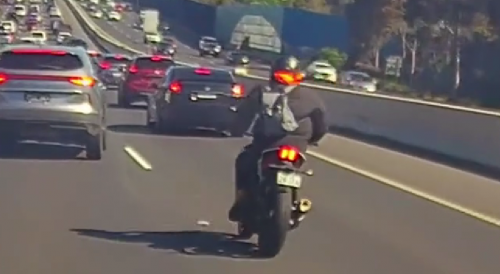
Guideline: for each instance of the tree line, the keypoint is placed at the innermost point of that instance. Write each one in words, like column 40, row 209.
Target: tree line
column 448, row 47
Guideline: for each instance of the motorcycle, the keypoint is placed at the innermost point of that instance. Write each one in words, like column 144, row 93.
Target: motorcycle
column 278, row 207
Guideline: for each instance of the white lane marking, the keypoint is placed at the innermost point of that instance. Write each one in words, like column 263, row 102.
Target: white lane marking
column 138, row 158
column 414, row 191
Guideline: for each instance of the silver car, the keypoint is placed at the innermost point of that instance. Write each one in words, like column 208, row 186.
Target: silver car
column 51, row 93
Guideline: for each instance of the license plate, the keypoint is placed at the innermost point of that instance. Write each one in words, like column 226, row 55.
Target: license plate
column 289, row 179
column 36, row 98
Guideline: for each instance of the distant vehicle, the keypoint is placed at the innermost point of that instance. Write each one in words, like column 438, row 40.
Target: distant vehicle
column 20, row 10
column 166, row 48
column 322, row 71
column 9, row 26
column 76, row 42
column 143, row 74
column 209, row 46
column 114, row 16
column 113, row 68
column 62, row 36
column 190, row 98
column 237, row 58
column 39, row 35
column 54, row 12
column 358, row 80
column 53, row 93
column 98, row 14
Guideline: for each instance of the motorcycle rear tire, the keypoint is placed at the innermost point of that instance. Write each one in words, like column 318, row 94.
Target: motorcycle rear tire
column 272, row 234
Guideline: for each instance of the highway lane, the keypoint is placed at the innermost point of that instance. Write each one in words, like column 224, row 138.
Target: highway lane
column 70, row 216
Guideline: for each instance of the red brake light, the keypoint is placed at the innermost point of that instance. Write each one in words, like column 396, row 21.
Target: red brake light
column 39, row 51
column 105, row 65
column 3, row 78
column 157, row 58
column 82, row 81
column 133, row 69
column 238, row 90
column 175, row 87
column 203, row 71
column 289, row 154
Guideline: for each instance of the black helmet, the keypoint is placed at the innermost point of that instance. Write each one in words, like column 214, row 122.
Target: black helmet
column 289, row 65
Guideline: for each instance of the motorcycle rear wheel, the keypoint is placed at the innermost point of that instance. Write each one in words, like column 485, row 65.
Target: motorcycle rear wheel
column 273, row 232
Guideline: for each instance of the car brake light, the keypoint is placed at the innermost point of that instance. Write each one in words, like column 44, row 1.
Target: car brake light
column 38, row 51
column 82, row 81
column 157, row 58
column 175, row 87
column 288, row 154
column 237, row 90
column 105, row 65
column 133, row 69
column 3, row 78
column 203, row 71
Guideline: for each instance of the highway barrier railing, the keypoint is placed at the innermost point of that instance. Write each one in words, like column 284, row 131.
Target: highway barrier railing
column 460, row 132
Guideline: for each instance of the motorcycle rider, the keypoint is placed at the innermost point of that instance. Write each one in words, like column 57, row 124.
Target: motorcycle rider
column 308, row 110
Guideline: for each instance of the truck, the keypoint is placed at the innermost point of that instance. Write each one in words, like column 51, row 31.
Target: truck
column 150, row 26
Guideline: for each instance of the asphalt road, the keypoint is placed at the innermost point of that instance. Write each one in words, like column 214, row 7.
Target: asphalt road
column 63, row 215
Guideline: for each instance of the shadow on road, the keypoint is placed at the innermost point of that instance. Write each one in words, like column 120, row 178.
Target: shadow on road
column 193, row 243
column 48, row 152
column 144, row 130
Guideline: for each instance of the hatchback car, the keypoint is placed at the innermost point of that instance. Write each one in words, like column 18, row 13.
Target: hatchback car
column 191, row 98
column 51, row 93
column 113, row 68
column 142, row 77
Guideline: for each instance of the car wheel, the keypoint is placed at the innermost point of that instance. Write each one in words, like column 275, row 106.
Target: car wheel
column 93, row 147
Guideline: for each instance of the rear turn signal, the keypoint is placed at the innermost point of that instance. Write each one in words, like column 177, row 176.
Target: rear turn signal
column 82, row 81
column 238, row 90
column 288, row 154
column 175, row 87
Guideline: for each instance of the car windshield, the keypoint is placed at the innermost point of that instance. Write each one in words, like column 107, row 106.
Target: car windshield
column 37, row 35
column 19, row 8
column 39, row 61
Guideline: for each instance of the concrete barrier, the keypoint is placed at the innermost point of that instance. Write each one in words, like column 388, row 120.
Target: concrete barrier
column 460, row 132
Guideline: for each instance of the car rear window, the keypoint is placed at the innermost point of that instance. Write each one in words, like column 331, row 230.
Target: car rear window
column 19, row 8
column 148, row 63
column 39, row 61
column 116, row 60
column 37, row 35
column 191, row 75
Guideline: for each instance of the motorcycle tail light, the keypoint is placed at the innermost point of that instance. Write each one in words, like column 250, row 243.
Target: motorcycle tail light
column 288, row 154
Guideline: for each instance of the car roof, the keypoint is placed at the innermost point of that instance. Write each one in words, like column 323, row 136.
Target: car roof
column 72, row 50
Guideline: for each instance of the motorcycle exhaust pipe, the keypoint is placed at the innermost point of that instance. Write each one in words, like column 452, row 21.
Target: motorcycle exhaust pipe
column 305, row 205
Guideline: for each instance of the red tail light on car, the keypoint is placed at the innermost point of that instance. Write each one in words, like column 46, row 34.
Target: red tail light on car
column 82, row 81
column 175, row 87
column 238, row 90
column 105, row 65
column 202, row 71
column 288, row 154
column 133, row 69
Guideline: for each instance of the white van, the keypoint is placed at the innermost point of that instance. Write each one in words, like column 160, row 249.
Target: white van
column 20, row 10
